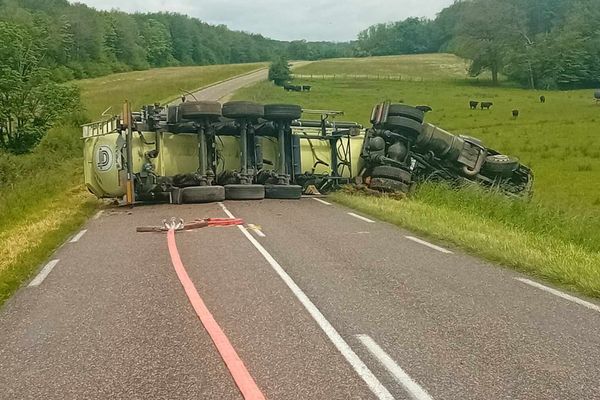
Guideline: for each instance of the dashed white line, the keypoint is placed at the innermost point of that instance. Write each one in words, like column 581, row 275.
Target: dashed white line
column 43, row 274
column 558, row 293
column 415, row 391
column 359, row 366
column 432, row 246
column 98, row 214
column 76, row 238
column 321, row 201
column 361, row 218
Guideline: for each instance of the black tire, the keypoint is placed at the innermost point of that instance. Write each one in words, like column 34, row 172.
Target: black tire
column 402, row 110
column 244, row 192
column 243, row 109
column 200, row 109
column 285, row 112
column 389, row 185
column 385, row 171
column 500, row 165
column 287, row 192
column 202, row 194
column 403, row 124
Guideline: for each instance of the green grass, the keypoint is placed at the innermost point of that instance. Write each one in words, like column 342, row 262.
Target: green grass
column 42, row 196
column 557, row 139
column 147, row 87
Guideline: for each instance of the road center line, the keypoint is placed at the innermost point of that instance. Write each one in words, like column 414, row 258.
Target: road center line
column 240, row 374
column 361, row 218
column 432, row 246
column 321, row 201
column 359, row 366
column 76, row 238
column 415, row 391
column 43, row 274
column 558, row 293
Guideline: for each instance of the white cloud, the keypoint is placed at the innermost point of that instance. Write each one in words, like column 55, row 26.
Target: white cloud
column 331, row 20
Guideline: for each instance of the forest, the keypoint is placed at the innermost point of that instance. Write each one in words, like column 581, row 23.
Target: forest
column 541, row 44
column 81, row 42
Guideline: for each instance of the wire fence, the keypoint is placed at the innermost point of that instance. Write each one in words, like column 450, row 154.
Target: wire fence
column 378, row 77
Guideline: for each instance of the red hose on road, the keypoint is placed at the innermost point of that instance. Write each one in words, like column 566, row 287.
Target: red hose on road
column 240, row 374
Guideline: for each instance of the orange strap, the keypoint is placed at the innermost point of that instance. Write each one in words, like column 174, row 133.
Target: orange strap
column 240, row 374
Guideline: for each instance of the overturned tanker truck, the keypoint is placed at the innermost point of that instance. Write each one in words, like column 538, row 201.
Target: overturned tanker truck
column 199, row 152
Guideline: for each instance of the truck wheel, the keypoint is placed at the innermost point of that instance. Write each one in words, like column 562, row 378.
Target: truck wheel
column 202, row 194
column 288, row 192
column 243, row 109
column 200, row 109
column 402, row 110
column 388, row 185
column 244, row 192
column 385, row 171
column 500, row 165
column 403, row 124
column 286, row 112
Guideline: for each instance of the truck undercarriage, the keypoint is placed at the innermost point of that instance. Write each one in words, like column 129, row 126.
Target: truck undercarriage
column 200, row 152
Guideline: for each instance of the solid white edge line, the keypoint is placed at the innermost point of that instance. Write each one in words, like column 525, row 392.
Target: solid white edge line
column 361, row 218
column 558, row 293
column 76, row 238
column 430, row 245
column 98, row 214
column 359, row 366
column 37, row 281
column 415, row 391
column 321, row 201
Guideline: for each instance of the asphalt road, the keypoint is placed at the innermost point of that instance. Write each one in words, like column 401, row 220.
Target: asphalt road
column 317, row 303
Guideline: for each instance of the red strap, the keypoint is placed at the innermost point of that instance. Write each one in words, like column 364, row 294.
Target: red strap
column 240, row 374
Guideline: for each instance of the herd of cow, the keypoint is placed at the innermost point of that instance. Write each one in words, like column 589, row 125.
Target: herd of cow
column 297, row 88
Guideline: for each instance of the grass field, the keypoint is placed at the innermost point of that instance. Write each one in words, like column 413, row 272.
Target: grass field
column 42, row 196
column 428, row 67
column 145, row 87
column 557, row 139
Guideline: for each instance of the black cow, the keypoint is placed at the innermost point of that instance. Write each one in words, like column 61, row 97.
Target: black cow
column 306, row 88
column 293, row 88
column 515, row 113
column 542, row 99
column 473, row 104
column 486, row 105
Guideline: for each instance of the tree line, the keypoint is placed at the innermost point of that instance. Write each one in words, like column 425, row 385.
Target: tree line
column 83, row 42
column 542, row 44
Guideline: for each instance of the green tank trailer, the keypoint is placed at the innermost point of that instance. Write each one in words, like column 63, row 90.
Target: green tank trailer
column 199, row 152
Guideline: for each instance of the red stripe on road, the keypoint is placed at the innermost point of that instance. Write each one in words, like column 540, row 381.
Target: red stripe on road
column 236, row 366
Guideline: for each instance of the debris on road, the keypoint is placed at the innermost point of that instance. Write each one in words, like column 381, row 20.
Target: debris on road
column 177, row 224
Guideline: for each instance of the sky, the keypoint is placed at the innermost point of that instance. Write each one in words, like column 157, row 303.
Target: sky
column 312, row 20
